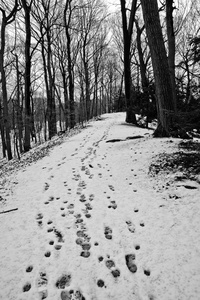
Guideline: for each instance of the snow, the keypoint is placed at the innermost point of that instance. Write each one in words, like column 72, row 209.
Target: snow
column 141, row 241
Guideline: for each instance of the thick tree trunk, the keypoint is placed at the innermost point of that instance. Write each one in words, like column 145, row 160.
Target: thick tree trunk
column 127, row 35
column 164, row 95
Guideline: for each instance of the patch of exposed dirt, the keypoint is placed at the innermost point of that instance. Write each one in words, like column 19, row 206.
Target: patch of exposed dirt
column 185, row 162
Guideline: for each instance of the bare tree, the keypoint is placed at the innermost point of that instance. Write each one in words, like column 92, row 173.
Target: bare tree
column 68, row 11
column 47, row 16
column 91, row 16
column 165, row 105
column 171, row 46
column 27, row 14
column 127, row 34
column 6, row 20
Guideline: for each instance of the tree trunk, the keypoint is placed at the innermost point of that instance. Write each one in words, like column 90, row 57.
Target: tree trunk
column 127, row 35
column 27, row 143
column 164, row 96
column 171, row 47
column 6, row 121
column 87, row 87
column 51, row 105
column 2, row 133
column 69, row 66
column 19, row 110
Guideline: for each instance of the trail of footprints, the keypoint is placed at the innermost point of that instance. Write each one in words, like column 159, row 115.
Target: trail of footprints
column 82, row 237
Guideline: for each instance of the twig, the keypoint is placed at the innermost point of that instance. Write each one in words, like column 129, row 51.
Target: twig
column 6, row 211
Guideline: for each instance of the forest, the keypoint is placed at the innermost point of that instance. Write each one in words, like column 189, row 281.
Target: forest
column 64, row 62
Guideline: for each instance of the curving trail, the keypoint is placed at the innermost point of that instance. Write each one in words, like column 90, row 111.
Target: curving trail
column 91, row 224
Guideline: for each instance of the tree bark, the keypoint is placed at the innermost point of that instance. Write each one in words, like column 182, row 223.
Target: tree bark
column 27, row 142
column 6, row 122
column 2, row 131
column 164, row 96
column 171, row 47
column 70, row 68
column 127, row 35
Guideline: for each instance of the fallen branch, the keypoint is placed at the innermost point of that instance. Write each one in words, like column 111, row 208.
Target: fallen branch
column 6, row 211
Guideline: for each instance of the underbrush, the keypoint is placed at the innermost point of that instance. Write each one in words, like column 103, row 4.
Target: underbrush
column 186, row 161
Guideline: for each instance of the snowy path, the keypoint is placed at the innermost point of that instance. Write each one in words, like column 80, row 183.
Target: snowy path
column 90, row 224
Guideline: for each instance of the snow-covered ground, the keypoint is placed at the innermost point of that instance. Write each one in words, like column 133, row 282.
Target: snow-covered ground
column 92, row 224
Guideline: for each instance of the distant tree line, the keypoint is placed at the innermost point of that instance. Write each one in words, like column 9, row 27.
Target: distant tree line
column 57, row 68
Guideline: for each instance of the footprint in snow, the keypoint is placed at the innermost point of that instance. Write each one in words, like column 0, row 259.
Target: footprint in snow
column 70, row 206
column 88, row 206
column 112, row 204
column 142, row 224
column 82, row 184
column 87, row 172
column 64, row 281
column 42, row 280
column 111, row 187
column 91, row 197
column 147, row 272
column 39, row 218
column 115, row 273
column 26, row 287
column 47, row 254
column 82, row 198
column 100, row 259
column 108, row 233
column 100, row 283
column 71, row 295
column 86, row 246
column 29, row 269
column 131, row 226
column 130, row 262
column 46, row 186
column 85, row 253
column 59, row 235
column 42, row 283
column 58, row 247
column 110, row 264
column 137, row 247
column 87, row 215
